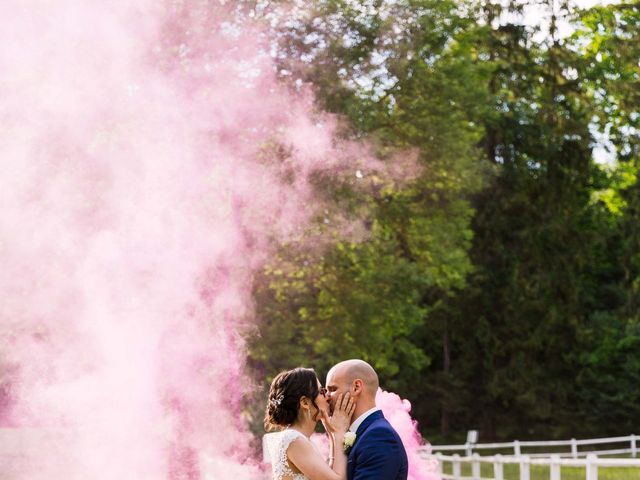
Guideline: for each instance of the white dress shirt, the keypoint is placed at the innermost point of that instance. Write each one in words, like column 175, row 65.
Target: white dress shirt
column 358, row 421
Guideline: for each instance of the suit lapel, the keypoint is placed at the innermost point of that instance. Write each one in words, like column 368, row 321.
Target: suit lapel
column 365, row 424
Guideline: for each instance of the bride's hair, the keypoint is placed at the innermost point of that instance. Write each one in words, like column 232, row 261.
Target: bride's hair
column 286, row 390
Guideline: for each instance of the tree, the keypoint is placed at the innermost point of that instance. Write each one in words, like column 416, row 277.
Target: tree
column 499, row 288
column 375, row 298
column 610, row 368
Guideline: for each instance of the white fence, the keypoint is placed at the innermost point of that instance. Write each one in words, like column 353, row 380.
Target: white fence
column 591, row 464
column 575, row 448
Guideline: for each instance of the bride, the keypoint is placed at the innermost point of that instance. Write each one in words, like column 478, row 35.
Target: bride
column 296, row 403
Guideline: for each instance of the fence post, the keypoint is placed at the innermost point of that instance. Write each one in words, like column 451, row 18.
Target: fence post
column 439, row 466
column 468, row 449
column 498, row 471
column 524, row 468
column 475, row 467
column 516, row 448
column 592, row 467
column 554, row 468
column 634, row 448
column 456, row 466
column 574, row 448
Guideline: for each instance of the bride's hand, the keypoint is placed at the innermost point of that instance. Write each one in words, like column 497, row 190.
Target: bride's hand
column 326, row 421
column 342, row 412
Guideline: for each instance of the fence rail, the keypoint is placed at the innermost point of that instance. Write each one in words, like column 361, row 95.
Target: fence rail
column 630, row 443
column 592, row 464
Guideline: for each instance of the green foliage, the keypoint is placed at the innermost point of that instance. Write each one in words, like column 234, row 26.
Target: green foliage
column 369, row 299
column 499, row 289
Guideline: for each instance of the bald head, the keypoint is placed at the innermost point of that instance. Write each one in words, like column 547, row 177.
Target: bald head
column 356, row 377
column 356, row 369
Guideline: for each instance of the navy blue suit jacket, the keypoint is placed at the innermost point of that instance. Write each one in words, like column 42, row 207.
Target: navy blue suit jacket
column 378, row 453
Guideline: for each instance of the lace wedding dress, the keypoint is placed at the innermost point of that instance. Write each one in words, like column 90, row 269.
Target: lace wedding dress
column 277, row 445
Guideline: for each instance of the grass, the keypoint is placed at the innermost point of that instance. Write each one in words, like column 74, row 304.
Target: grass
column 541, row 472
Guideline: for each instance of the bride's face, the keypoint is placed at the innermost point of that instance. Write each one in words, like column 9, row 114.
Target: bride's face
column 321, row 402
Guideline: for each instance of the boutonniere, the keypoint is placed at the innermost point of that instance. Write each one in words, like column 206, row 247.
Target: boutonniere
column 348, row 441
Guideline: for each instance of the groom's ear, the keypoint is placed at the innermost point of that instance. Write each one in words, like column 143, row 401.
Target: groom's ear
column 358, row 387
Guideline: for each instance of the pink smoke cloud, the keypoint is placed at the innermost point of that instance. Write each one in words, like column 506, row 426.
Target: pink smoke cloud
column 150, row 159
column 397, row 411
column 141, row 186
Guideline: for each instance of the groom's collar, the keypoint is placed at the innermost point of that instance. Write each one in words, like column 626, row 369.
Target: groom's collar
column 358, row 421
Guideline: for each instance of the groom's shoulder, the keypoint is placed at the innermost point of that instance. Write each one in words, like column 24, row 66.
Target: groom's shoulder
column 379, row 437
column 381, row 427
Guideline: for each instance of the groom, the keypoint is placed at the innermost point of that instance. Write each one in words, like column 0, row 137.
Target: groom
column 377, row 453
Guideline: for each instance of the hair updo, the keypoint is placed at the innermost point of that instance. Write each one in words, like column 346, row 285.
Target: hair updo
column 286, row 390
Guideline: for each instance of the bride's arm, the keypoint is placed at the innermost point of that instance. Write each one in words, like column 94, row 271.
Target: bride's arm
column 336, row 427
column 307, row 459
column 338, row 461
column 332, row 454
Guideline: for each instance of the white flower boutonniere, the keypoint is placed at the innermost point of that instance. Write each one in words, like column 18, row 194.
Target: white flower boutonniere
column 348, row 441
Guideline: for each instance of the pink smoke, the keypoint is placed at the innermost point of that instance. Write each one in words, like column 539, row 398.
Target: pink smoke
column 150, row 160
column 396, row 411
